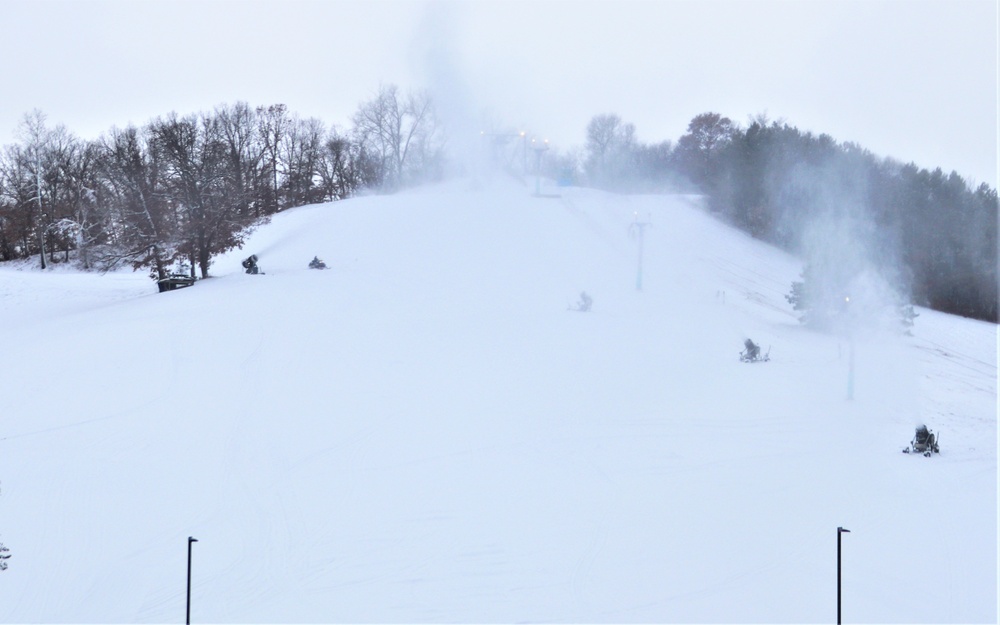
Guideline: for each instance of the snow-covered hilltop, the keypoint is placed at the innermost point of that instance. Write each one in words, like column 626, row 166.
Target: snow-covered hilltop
column 424, row 432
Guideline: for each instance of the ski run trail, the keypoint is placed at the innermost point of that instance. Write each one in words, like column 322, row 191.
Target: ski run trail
column 426, row 431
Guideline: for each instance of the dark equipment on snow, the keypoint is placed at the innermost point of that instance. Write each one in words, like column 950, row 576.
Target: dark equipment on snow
column 174, row 281
column 924, row 442
column 316, row 263
column 250, row 264
column 751, row 353
column 584, row 304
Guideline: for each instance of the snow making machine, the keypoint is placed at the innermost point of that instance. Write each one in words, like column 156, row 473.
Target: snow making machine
column 752, row 353
column 924, row 442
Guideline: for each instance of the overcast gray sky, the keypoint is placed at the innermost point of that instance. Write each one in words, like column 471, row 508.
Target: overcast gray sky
column 911, row 79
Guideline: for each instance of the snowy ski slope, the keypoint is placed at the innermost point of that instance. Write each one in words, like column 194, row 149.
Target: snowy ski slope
column 424, row 433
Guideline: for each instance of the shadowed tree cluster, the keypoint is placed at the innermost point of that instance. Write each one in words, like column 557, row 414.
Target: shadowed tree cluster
column 932, row 232
column 935, row 233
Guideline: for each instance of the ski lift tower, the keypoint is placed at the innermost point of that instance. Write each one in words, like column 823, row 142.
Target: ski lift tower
column 638, row 230
column 539, row 148
column 500, row 139
column 524, row 152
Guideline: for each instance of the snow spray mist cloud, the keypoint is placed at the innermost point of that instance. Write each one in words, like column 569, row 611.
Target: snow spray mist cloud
column 852, row 276
column 478, row 139
column 435, row 54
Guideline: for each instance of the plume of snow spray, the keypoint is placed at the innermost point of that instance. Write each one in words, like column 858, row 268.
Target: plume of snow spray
column 853, row 281
column 436, row 59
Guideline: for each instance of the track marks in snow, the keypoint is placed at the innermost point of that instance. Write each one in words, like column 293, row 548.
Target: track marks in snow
column 597, row 539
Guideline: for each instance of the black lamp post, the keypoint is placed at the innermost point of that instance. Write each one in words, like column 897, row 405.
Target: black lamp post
column 190, row 540
column 840, row 531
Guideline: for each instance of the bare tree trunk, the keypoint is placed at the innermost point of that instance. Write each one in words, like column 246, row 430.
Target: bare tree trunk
column 41, row 245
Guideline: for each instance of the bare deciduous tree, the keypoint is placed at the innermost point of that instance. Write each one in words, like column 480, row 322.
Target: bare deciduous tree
column 273, row 126
column 143, row 228
column 399, row 132
column 302, row 156
column 610, row 150
column 245, row 153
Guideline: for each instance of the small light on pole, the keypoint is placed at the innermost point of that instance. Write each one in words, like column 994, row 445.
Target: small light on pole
column 840, row 531
column 190, row 540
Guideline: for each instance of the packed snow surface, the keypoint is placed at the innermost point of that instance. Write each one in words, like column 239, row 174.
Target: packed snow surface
column 426, row 432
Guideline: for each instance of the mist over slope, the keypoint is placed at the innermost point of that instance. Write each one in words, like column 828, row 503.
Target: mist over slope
column 425, row 433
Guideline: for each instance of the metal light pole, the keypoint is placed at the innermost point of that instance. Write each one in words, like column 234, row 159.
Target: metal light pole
column 538, row 164
column 638, row 229
column 850, row 372
column 524, row 153
column 190, row 540
column 840, row 531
